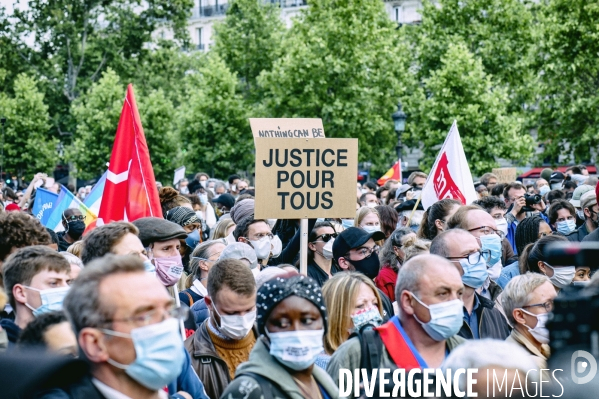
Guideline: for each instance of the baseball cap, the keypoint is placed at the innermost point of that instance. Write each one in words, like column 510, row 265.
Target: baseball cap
column 402, row 189
column 353, row 237
column 153, row 229
column 225, row 199
column 588, row 199
column 578, row 193
column 556, row 177
column 408, row 206
column 240, row 251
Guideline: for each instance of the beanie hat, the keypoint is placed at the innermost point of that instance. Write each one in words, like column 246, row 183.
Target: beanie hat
column 546, row 173
column 181, row 215
column 273, row 292
column 242, row 209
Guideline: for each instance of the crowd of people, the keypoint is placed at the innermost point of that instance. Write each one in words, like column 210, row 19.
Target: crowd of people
column 209, row 302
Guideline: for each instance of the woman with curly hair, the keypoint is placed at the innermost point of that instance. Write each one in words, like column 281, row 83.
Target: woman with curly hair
column 170, row 198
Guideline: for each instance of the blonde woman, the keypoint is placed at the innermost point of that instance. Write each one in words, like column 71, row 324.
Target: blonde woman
column 352, row 302
column 369, row 219
column 223, row 228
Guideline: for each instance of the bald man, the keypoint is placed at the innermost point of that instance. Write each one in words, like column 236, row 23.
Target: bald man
column 428, row 286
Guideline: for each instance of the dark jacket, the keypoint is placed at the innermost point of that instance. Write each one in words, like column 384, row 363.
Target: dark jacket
column 83, row 388
column 12, row 330
column 184, row 297
column 277, row 377
column 63, row 245
column 491, row 323
column 200, row 312
column 579, row 234
column 209, row 366
column 594, row 236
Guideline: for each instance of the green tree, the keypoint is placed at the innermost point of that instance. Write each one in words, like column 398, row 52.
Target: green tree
column 569, row 75
column 212, row 121
column 342, row 61
column 249, row 40
column 461, row 90
column 27, row 149
column 97, row 116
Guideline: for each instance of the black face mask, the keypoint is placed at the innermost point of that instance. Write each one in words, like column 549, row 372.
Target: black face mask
column 75, row 229
column 368, row 266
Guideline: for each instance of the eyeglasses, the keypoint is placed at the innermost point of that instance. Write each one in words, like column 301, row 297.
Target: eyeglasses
column 547, row 305
column 74, row 218
column 486, row 230
column 326, row 237
column 474, row 257
column 261, row 236
column 154, row 316
column 365, row 252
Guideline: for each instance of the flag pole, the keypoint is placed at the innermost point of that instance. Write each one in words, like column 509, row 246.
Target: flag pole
column 414, row 210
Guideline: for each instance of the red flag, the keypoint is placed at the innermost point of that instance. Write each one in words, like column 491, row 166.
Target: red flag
column 130, row 191
column 393, row 173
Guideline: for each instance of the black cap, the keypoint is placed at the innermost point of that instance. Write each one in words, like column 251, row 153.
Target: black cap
column 157, row 229
column 225, row 199
column 353, row 237
column 408, row 206
column 556, row 177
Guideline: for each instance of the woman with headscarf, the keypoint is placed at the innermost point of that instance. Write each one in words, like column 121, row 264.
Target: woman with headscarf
column 192, row 225
column 292, row 318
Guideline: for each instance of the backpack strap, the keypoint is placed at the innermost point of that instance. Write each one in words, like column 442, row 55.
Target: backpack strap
column 190, row 298
column 371, row 350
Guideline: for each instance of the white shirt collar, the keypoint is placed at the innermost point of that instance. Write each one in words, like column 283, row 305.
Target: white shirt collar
column 198, row 288
column 111, row 393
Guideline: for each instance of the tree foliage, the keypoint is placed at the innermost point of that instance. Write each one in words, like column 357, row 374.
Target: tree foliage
column 460, row 89
column 212, row 122
column 568, row 122
column 342, row 62
column 249, row 41
column 27, row 149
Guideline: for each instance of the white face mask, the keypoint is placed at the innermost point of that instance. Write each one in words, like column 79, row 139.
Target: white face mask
column 501, row 225
column 371, row 204
column 236, row 327
column 203, row 183
column 540, row 332
column 234, row 188
column 262, row 247
column 327, row 250
column 562, row 276
column 277, row 246
column 371, row 229
column 495, row 271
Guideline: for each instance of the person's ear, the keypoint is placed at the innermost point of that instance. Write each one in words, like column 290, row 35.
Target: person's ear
column 203, row 265
column 343, row 263
column 587, row 213
column 518, row 315
column 92, row 343
column 439, row 224
column 208, row 301
column 18, row 292
column 542, row 267
column 405, row 303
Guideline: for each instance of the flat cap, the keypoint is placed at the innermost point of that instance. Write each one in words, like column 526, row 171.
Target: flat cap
column 157, row 229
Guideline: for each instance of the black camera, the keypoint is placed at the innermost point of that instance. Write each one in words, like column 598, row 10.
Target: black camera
column 532, row 199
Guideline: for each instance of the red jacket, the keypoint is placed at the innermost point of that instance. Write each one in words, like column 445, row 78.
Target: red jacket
column 386, row 280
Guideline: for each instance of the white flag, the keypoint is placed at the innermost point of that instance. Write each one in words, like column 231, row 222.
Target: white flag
column 450, row 176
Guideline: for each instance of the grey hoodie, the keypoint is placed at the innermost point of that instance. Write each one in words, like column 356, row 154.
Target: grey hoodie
column 263, row 364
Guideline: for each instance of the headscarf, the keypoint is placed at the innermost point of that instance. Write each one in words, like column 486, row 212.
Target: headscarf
column 272, row 292
column 181, row 215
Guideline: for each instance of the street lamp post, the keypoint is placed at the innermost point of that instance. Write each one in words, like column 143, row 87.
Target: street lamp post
column 399, row 122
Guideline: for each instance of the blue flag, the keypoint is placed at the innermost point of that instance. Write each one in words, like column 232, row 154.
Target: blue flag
column 44, row 204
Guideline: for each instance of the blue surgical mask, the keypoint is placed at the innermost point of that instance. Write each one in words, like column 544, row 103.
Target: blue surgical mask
column 371, row 229
column 492, row 243
column 159, row 353
column 297, row 350
column 544, row 190
column 51, row 298
column 193, row 239
column 566, row 227
column 347, row 223
column 446, row 319
column 474, row 275
column 149, row 266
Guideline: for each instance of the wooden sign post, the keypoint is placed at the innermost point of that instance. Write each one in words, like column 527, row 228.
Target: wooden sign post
column 306, row 178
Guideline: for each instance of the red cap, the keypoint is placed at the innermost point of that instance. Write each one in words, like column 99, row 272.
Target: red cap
column 12, row 207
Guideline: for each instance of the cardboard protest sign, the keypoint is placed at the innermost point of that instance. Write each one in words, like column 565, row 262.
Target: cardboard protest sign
column 505, row 175
column 287, row 127
column 306, row 178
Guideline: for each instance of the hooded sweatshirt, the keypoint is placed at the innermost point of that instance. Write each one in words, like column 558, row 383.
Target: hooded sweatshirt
column 266, row 366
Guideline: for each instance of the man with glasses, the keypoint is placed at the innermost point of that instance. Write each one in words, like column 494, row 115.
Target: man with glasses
column 481, row 318
column 128, row 329
column 527, row 301
column 73, row 222
column 355, row 249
